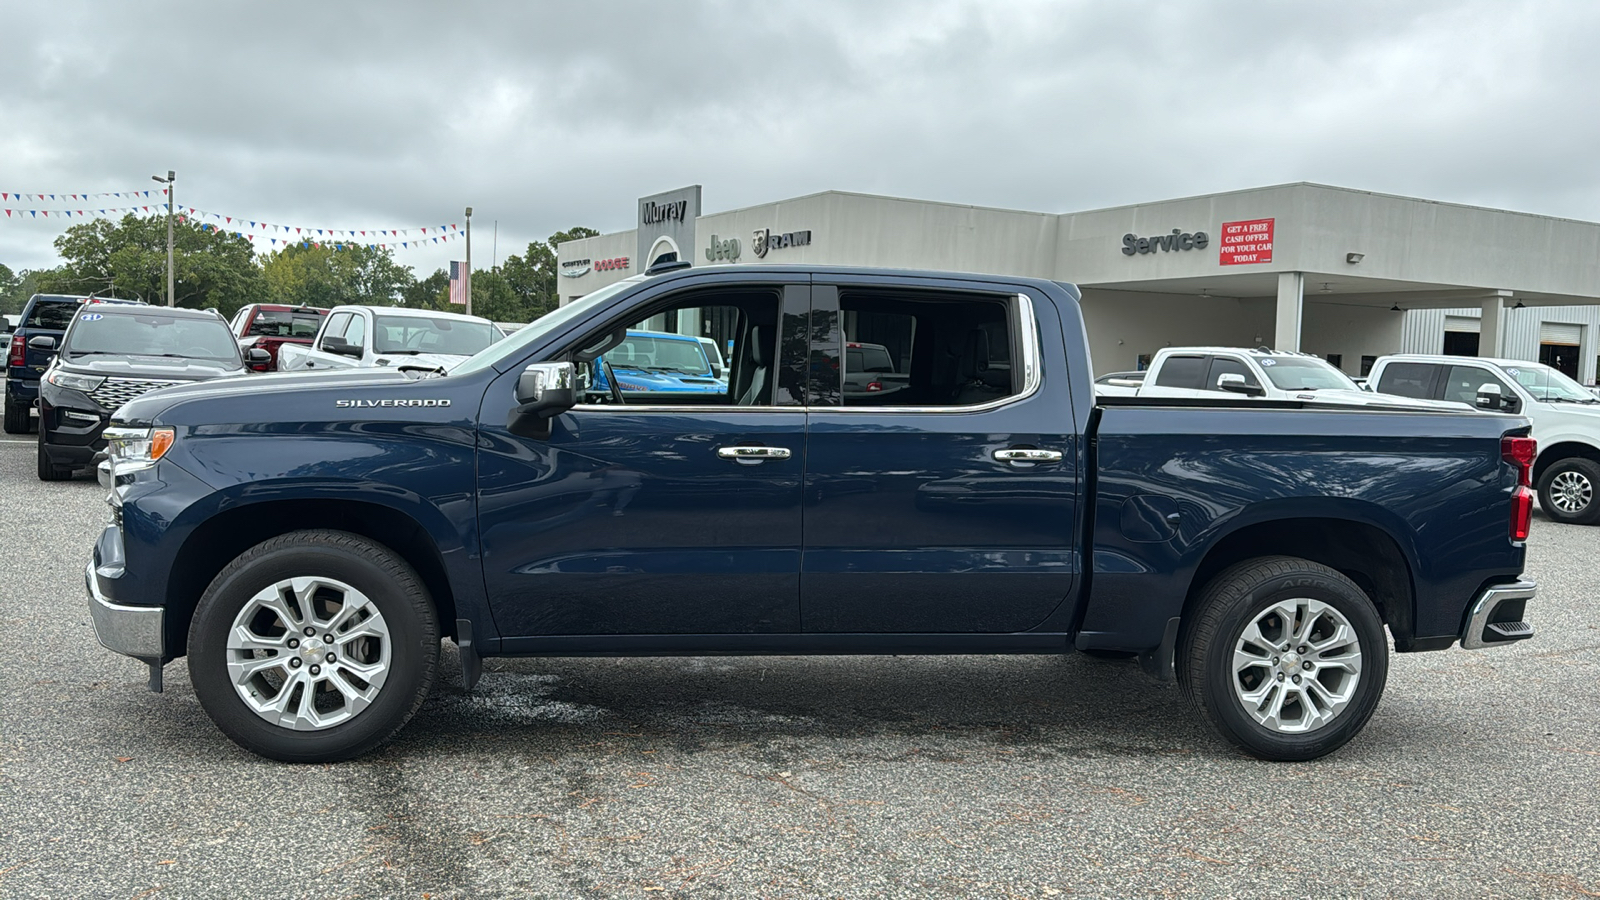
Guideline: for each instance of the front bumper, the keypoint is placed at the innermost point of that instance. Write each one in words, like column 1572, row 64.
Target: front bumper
column 1495, row 618
column 135, row 631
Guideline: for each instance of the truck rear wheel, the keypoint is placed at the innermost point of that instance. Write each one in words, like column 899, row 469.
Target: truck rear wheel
column 313, row 646
column 1285, row 658
column 1570, row 491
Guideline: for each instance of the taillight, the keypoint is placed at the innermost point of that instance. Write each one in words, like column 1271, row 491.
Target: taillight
column 19, row 352
column 1521, row 452
column 1521, row 514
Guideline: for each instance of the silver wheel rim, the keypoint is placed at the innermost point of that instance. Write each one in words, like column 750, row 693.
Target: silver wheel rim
column 1571, row 492
column 1296, row 666
column 308, row 653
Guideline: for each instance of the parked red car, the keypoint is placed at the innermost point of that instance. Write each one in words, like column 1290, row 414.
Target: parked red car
column 271, row 325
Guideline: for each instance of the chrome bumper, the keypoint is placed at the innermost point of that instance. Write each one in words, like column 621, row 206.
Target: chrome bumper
column 1486, row 629
column 130, row 630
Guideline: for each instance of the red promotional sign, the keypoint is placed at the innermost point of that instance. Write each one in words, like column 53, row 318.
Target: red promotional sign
column 1246, row 243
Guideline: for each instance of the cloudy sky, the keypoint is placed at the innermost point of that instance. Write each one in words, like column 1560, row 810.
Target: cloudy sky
column 542, row 115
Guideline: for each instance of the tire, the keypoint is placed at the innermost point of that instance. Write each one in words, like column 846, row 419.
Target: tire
column 1569, row 492
column 385, row 653
column 16, row 417
column 49, row 471
column 1315, row 716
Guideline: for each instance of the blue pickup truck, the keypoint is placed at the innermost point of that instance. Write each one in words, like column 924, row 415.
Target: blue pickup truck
column 308, row 547
column 658, row 363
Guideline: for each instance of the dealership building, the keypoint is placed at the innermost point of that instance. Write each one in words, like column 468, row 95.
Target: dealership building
column 1347, row 275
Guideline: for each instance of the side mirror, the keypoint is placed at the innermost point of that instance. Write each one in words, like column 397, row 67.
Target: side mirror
column 1490, row 398
column 1233, row 382
column 42, row 342
column 340, row 346
column 544, row 391
column 716, row 371
column 257, row 358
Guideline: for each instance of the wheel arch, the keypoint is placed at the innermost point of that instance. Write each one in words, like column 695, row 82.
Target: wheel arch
column 1560, row 450
column 1362, row 550
column 231, row 532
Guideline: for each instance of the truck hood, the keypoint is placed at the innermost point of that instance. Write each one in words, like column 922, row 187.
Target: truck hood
column 152, row 367
column 667, row 381
column 144, row 410
column 444, row 361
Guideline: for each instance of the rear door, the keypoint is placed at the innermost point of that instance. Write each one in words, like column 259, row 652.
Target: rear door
column 927, row 509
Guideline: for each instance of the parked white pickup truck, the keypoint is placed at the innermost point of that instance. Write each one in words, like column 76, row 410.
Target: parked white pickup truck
column 356, row 336
column 1565, row 416
column 1180, row 372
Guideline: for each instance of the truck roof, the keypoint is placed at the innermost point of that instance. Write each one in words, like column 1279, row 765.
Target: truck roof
column 412, row 311
column 1443, row 358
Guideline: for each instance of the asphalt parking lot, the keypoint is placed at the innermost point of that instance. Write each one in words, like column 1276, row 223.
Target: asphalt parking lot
column 788, row 777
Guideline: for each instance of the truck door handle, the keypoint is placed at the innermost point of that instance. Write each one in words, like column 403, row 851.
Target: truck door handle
column 1027, row 455
column 751, row 455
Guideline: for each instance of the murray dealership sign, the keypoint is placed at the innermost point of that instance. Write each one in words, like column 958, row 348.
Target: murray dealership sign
column 1176, row 241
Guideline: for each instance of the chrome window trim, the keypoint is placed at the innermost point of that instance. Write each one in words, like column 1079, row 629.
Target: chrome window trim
column 1032, row 377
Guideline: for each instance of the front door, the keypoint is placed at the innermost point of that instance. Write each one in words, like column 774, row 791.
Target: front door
column 652, row 515
column 949, row 504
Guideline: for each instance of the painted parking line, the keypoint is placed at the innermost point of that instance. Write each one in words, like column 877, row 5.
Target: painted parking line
column 17, row 441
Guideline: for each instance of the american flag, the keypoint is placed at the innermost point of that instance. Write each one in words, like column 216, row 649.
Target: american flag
column 458, row 283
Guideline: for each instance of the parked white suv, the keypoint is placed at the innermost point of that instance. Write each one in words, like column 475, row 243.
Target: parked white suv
column 1180, row 372
column 1565, row 415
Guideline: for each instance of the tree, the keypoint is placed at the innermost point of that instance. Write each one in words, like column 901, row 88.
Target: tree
column 330, row 274
column 15, row 289
column 432, row 292
column 128, row 259
column 533, row 276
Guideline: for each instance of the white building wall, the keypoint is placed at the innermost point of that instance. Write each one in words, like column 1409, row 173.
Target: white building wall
column 1424, row 332
column 1350, row 331
column 1122, row 325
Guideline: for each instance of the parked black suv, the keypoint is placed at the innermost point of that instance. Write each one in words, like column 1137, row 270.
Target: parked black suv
column 111, row 354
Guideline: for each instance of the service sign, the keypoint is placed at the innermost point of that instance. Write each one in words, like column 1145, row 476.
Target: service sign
column 1246, row 243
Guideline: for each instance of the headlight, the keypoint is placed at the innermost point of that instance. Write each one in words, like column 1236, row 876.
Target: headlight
column 132, row 449
column 73, row 382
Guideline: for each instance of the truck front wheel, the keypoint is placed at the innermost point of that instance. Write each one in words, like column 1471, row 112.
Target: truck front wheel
column 1567, row 492
column 313, row 646
column 1285, row 658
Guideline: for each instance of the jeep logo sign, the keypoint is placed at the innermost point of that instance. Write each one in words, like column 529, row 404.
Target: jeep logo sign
column 1177, row 240
column 720, row 249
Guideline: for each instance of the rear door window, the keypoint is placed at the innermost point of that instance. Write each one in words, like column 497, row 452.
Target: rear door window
column 1182, row 372
column 1414, row 380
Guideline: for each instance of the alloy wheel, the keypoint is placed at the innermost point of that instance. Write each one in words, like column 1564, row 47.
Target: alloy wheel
column 1296, row 665
column 308, row 653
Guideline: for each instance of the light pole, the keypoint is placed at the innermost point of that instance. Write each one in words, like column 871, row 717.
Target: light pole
column 168, row 182
column 469, row 261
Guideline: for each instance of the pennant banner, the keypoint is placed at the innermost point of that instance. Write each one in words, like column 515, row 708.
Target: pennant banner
column 276, row 235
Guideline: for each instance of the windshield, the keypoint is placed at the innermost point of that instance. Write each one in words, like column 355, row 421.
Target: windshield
column 545, row 324
column 1549, row 385
column 1301, row 373
column 659, row 354
column 425, row 334
column 286, row 323
column 150, row 334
